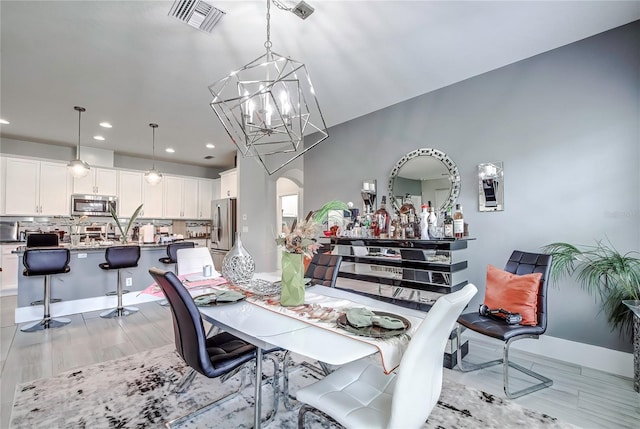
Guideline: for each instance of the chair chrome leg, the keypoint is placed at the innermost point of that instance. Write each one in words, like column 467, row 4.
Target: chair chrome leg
column 468, row 367
column 544, row 381
column 47, row 321
column 120, row 310
column 309, row 409
column 185, row 381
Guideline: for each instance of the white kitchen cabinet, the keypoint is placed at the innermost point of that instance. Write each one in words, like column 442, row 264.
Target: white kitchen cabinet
column 215, row 192
column 99, row 181
column 205, row 195
column 10, row 267
column 190, row 208
column 229, row 183
column 172, row 196
column 153, row 199
column 180, row 197
column 129, row 192
column 36, row 187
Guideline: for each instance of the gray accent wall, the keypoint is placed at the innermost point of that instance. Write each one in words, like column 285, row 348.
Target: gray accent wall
column 566, row 125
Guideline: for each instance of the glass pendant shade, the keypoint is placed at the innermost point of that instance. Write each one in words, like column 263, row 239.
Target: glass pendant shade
column 269, row 109
column 77, row 167
column 153, row 176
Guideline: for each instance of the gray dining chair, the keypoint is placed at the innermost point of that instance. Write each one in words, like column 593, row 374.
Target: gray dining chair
column 215, row 356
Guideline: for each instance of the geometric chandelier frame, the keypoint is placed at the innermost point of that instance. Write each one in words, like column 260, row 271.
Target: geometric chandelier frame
column 269, row 108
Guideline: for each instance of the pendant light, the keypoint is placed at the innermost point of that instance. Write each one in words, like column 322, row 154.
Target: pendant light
column 78, row 167
column 153, row 176
column 269, row 107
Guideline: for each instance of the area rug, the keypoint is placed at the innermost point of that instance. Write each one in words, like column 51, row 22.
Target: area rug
column 136, row 392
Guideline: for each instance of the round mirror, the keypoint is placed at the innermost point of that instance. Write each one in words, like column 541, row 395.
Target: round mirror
column 426, row 175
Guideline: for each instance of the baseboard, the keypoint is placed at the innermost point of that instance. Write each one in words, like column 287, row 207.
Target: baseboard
column 596, row 357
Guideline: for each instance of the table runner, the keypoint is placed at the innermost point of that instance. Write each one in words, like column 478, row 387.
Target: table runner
column 154, row 290
column 322, row 311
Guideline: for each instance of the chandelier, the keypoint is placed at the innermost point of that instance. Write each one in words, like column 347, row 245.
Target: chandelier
column 269, row 107
column 153, row 176
column 77, row 167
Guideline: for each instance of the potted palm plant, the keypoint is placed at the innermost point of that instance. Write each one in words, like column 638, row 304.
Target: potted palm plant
column 124, row 231
column 610, row 275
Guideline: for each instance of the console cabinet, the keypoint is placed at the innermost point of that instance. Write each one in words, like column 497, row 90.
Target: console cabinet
column 412, row 273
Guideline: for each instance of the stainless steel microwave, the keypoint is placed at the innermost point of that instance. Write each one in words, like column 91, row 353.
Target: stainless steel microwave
column 93, row 205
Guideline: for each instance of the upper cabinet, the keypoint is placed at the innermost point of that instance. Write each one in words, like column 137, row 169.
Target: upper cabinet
column 229, row 183
column 35, row 187
column 153, row 200
column 129, row 192
column 180, row 197
column 100, row 181
column 205, row 195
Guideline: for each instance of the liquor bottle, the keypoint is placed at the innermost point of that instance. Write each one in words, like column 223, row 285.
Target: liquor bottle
column 394, row 228
column 404, row 225
column 458, row 222
column 448, row 224
column 424, row 223
column 412, row 226
column 407, row 205
column 381, row 220
column 432, row 223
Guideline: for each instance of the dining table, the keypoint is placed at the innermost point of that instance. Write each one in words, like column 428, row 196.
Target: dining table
column 260, row 321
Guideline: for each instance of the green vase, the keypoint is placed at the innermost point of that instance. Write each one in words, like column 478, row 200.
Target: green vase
column 292, row 293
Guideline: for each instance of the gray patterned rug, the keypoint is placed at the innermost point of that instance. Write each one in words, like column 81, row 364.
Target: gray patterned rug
column 136, row 392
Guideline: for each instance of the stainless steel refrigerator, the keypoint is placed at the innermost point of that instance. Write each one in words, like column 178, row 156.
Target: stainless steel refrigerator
column 223, row 229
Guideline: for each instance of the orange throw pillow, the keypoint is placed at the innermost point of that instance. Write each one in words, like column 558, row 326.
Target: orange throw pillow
column 514, row 293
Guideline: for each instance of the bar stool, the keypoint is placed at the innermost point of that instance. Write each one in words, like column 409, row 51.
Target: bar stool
column 45, row 239
column 119, row 257
column 46, row 262
column 172, row 257
column 172, row 251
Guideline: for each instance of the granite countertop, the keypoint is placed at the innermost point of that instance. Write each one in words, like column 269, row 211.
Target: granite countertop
column 99, row 247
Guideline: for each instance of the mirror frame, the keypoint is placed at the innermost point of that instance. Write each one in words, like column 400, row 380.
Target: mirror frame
column 454, row 175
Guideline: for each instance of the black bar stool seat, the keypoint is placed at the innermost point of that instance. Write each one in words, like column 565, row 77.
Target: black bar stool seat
column 118, row 258
column 46, row 262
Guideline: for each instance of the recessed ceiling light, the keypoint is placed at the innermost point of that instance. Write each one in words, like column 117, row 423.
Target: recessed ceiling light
column 170, row 150
column 98, row 138
column 4, row 121
column 105, row 125
column 210, row 146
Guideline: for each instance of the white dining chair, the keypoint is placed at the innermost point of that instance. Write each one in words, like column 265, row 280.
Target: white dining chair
column 360, row 395
column 190, row 261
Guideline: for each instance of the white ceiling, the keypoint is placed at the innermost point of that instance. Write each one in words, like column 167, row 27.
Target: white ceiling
column 129, row 63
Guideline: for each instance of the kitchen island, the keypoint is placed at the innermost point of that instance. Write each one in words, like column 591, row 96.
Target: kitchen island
column 84, row 288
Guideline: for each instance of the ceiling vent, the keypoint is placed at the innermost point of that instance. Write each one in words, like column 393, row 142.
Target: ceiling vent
column 196, row 13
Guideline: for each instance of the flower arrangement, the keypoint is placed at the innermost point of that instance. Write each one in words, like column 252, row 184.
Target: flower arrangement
column 301, row 237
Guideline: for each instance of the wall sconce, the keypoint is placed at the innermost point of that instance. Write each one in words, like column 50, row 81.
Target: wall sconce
column 368, row 194
column 490, row 187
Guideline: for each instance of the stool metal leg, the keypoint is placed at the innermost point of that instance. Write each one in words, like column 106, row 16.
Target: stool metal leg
column 47, row 321
column 120, row 310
